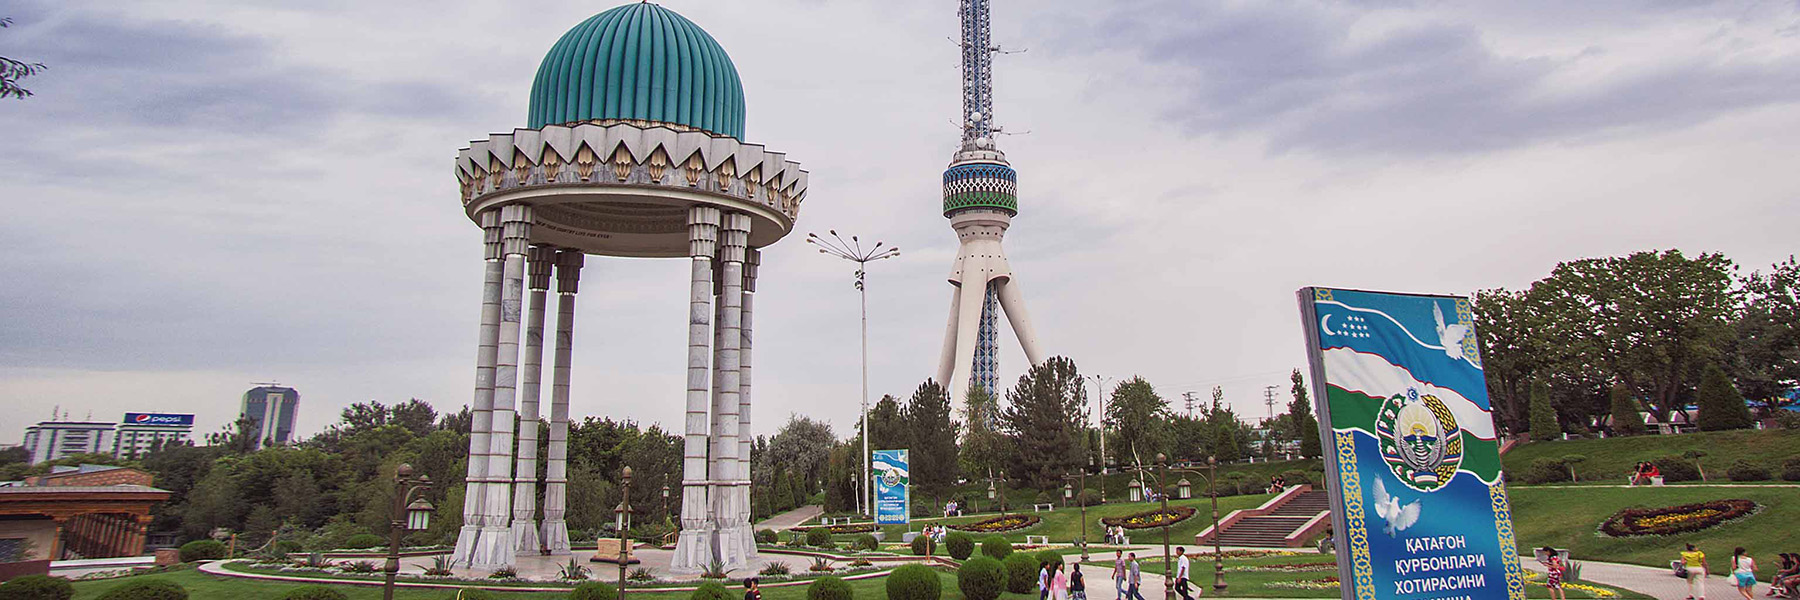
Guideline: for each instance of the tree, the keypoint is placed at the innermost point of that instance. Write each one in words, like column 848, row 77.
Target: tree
column 985, row 448
column 1543, row 418
column 802, row 447
column 1043, row 419
column 1306, row 428
column 1721, row 407
column 1767, row 358
column 887, row 425
column 933, row 433
column 1139, row 418
column 1570, row 461
column 1230, row 437
column 1508, row 353
column 11, row 71
column 1626, row 420
column 1190, row 438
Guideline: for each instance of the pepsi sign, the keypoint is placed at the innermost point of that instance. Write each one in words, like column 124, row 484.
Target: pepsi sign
column 159, row 419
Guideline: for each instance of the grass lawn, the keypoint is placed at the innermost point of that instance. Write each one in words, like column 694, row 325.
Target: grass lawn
column 1570, row 518
column 1245, row 581
column 1610, row 460
column 1063, row 525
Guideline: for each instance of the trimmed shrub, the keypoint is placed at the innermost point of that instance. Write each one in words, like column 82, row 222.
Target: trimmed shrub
column 594, row 590
column 1675, row 468
column 1790, row 470
column 1048, row 556
column 1542, row 418
column 829, row 588
column 364, row 541
column 146, row 589
column 314, row 592
column 1043, row 498
column 202, row 550
column 923, row 545
column 1088, row 498
column 961, row 545
column 36, row 587
column 711, row 590
column 1021, row 573
column 914, row 582
column 476, row 594
column 996, row 548
column 1625, row 417
column 865, row 542
column 1744, row 470
column 1546, row 470
column 1293, row 476
column 767, row 536
column 981, row 578
column 819, row 537
column 1721, row 407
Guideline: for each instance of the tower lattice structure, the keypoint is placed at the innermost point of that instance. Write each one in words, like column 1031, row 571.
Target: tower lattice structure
column 980, row 199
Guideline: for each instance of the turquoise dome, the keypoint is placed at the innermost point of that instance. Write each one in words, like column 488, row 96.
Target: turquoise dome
column 639, row 62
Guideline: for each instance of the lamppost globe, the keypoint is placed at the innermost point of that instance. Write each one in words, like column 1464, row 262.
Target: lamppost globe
column 418, row 515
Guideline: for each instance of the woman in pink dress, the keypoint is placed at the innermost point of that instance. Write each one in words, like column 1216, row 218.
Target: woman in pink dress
column 1059, row 582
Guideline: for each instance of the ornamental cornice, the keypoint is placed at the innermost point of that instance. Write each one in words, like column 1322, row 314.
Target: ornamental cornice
column 630, row 154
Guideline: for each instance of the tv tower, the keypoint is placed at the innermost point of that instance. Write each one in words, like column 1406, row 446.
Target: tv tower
column 980, row 199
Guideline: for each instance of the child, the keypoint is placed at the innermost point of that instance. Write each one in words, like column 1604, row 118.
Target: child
column 1554, row 567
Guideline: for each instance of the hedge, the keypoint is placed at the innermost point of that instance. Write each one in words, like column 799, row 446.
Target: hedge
column 1021, row 573
column 198, row 550
column 146, row 589
column 913, row 582
column 596, row 590
column 961, row 545
column 981, row 578
column 829, row 588
column 314, row 592
column 36, row 587
column 996, row 548
column 711, row 590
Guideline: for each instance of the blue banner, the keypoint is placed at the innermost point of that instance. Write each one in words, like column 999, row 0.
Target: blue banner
column 1411, row 453
column 158, row 419
column 891, row 489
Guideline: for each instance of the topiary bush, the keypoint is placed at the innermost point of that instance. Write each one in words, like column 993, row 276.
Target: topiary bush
column 36, row 587
column 1675, row 468
column 1088, row 498
column 996, row 548
column 202, row 550
column 923, row 545
column 981, row 578
column 1790, row 470
column 314, row 592
column 829, row 588
column 1294, row 477
column 363, row 541
column 914, row 582
column 961, row 545
column 1744, row 470
column 1546, row 470
column 711, row 590
column 819, row 537
column 1048, row 556
column 767, row 536
column 1021, row 573
column 476, row 594
column 865, row 542
column 594, row 590
column 146, row 589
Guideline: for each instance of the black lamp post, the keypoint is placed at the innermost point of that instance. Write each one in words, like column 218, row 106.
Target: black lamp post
column 665, row 502
column 410, row 513
column 1082, row 478
column 624, row 523
column 1162, row 476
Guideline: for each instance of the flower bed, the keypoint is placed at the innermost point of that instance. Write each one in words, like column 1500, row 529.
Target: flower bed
column 864, row 528
column 998, row 524
column 1323, row 583
column 1675, row 519
column 1287, row 568
column 1152, row 518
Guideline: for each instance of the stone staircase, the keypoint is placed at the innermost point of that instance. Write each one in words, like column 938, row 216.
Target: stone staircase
column 1276, row 527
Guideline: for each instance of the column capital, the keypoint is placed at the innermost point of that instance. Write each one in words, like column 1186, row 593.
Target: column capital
column 539, row 260
column 703, row 231
column 568, row 270
column 752, row 259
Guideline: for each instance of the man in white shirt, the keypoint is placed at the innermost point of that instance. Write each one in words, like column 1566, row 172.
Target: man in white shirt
column 1181, row 573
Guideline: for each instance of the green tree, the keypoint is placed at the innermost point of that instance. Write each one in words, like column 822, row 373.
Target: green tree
column 1626, row 420
column 1721, row 407
column 1230, row 437
column 803, row 447
column 1305, row 427
column 1509, row 353
column 933, row 433
column 1767, row 358
column 1139, row 418
column 1044, row 420
column 985, row 448
column 887, row 425
column 1543, row 418
column 1191, row 438
column 12, row 71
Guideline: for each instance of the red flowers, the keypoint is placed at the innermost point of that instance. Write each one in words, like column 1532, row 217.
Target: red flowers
column 1153, row 518
column 1675, row 519
column 997, row 524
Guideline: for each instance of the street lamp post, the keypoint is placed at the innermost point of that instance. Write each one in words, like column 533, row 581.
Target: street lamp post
column 854, row 252
column 1161, row 474
column 1082, row 506
column 665, row 502
column 1212, row 468
column 410, row 512
column 624, row 523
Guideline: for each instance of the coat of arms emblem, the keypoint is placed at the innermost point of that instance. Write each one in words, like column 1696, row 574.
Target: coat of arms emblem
column 1420, row 440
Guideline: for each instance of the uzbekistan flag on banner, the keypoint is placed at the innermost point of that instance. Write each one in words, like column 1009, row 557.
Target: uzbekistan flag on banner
column 1403, row 407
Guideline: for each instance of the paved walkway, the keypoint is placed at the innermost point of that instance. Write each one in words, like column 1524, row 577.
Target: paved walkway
column 1657, row 583
column 792, row 518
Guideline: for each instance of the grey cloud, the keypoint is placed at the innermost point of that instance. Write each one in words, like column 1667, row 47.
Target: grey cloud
column 1293, row 73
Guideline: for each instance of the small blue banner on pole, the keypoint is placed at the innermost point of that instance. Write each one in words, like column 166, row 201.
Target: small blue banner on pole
column 891, row 490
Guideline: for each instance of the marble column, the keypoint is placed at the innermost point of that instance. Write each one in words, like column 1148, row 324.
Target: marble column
column 694, row 548
column 728, row 497
column 496, row 548
column 481, row 409
column 525, row 487
column 555, row 531
column 752, row 259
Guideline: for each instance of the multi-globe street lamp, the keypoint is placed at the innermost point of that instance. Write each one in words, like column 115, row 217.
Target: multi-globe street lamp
column 1076, row 496
column 1161, row 475
column 411, row 512
column 853, row 251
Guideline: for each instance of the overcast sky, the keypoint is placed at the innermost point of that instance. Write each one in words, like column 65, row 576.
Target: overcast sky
column 207, row 194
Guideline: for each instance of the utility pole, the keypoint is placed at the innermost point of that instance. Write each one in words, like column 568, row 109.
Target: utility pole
column 1100, row 386
column 1188, row 399
column 1269, row 399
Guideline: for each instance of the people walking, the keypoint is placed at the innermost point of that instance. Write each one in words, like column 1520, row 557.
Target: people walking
column 1077, row 584
column 1119, row 574
column 1181, row 573
column 1743, row 572
column 1694, row 563
column 1554, row 568
column 1135, row 579
column 1044, row 581
column 1059, row 582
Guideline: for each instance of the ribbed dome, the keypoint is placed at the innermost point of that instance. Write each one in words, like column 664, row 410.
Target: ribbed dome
column 641, row 62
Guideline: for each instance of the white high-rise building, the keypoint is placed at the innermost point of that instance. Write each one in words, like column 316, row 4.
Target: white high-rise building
column 51, row 440
column 141, row 432
column 980, row 199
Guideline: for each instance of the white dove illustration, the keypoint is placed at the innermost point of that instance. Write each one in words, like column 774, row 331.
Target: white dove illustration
column 1398, row 517
column 1450, row 336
